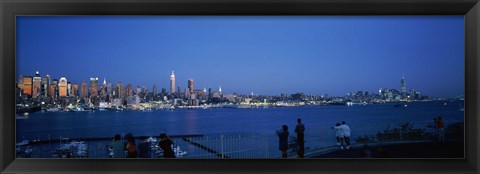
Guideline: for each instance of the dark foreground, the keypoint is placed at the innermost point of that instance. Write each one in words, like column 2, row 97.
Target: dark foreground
column 411, row 150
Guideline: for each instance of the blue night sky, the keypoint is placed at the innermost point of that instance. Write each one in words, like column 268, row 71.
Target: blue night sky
column 261, row 54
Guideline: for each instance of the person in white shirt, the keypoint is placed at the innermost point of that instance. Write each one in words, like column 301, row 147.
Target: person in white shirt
column 346, row 133
column 339, row 134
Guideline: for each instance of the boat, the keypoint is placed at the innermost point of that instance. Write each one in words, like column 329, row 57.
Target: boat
column 400, row 105
column 179, row 152
column 23, row 143
column 337, row 103
column 21, row 116
column 73, row 149
column 147, row 110
column 53, row 110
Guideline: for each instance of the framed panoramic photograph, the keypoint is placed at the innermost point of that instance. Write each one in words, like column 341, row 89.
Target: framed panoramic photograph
column 311, row 86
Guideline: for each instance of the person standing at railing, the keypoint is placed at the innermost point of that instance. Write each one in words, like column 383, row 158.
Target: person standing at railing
column 166, row 145
column 118, row 147
column 441, row 129
column 346, row 133
column 131, row 147
column 339, row 134
column 283, row 140
column 300, row 129
column 144, row 148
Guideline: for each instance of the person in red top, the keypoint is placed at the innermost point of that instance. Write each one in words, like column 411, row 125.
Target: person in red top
column 131, row 147
column 441, row 129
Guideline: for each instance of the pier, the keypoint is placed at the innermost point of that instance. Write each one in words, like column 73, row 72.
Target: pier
column 204, row 148
column 38, row 142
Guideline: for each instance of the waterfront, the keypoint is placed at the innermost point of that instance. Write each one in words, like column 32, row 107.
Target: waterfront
column 220, row 121
column 363, row 119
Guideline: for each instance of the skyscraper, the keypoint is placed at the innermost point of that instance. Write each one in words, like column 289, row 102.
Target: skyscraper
column 36, row 87
column 83, row 90
column 119, row 90
column 62, row 87
column 172, row 83
column 55, row 88
column 210, row 93
column 27, row 85
column 45, row 84
column 129, row 90
column 155, row 90
column 190, row 86
column 103, row 90
column 20, row 83
column 74, row 90
column 403, row 86
column 69, row 89
column 52, row 91
column 93, row 87
column 109, row 89
column 164, row 91
column 138, row 91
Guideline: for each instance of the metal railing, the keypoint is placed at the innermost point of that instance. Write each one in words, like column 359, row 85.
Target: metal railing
column 257, row 145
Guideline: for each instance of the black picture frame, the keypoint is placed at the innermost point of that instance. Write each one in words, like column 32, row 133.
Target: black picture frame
column 11, row 8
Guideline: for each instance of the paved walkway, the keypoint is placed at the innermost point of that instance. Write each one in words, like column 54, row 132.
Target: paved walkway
column 400, row 150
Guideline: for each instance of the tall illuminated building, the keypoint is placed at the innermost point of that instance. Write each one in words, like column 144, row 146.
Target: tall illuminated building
column 119, row 90
column 109, row 89
column 27, row 85
column 62, row 87
column 36, row 86
column 190, row 86
column 69, row 89
column 20, row 83
column 403, row 86
column 138, row 90
column 129, row 90
column 187, row 93
column 84, row 90
column 103, row 90
column 45, row 84
column 51, row 91
column 93, row 87
column 55, row 88
column 75, row 90
column 172, row 83
column 155, row 90
column 144, row 90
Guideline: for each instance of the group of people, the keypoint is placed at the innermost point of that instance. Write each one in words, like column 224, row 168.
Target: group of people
column 283, row 139
column 342, row 133
column 439, row 126
column 128, row 149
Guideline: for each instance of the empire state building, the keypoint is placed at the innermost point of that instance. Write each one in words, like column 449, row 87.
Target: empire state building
column 172, row 83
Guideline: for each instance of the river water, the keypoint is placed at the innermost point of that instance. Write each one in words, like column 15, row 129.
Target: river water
column 363, row 119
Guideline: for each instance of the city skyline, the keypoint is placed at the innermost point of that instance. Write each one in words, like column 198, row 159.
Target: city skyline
column 188, row 86
column 245, row 54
